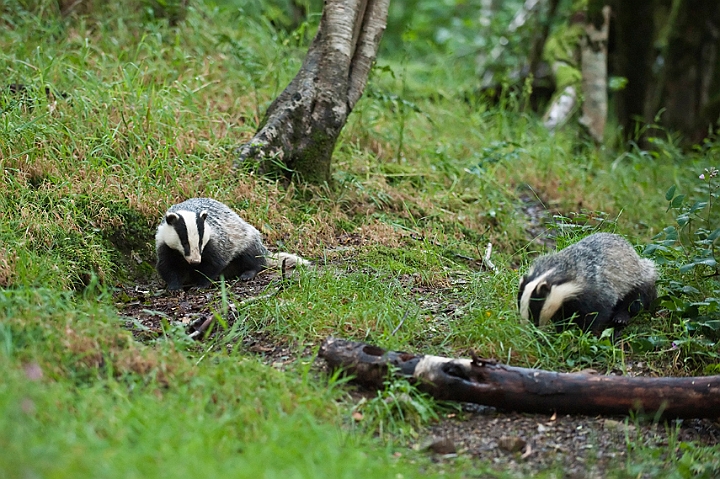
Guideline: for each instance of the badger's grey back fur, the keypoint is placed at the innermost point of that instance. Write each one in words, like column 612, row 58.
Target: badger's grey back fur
column 201, row 239
column 600, row 279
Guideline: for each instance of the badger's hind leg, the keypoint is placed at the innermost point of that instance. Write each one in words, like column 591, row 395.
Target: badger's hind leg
column 247, row 264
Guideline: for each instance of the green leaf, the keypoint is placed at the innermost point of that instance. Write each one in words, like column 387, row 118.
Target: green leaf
column 671, row 233
column 687, row 267
column 650, row 249
column 697, row 206
column 642, row 345
column 713, row 324
column 706, row 261
column 670, row 192
column 689, row 290
column 677, row 201
column 616, row 83
column 683, row 219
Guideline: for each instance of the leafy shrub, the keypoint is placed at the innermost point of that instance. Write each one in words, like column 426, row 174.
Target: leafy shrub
column 687, row 252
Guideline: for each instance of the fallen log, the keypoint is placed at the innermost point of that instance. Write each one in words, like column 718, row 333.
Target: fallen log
column 487, row 382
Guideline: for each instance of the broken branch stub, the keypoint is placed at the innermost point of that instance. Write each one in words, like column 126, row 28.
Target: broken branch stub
column 489, row 383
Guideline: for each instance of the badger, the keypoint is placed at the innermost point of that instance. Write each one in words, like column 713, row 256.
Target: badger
column 598, row 282
column 200, row 239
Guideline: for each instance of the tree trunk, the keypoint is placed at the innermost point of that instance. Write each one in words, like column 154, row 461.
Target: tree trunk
column 634, row 33
column 302, row 125
column 593, row 49
column 689, row 87
column 486, row 382
column 560, row 109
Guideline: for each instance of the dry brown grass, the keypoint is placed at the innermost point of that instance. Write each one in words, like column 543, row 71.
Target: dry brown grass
column 117, row 351
column 7, row 267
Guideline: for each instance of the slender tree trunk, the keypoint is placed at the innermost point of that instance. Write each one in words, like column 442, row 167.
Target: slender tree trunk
column 689, row 87
column 302, row 125
column 634, row 40
column 593, row 49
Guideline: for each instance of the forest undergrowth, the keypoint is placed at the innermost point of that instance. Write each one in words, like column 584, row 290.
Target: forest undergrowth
column 138, row 115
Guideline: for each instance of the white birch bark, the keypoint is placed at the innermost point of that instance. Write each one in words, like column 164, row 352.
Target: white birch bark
column 561, row 108
column 593, row 51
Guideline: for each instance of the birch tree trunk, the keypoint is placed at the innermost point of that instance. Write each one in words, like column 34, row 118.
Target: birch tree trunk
column 593, row 50
column 561, row 108
column 302, row 125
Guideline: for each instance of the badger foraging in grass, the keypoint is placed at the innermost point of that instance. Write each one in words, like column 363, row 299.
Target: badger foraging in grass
column 201, row 239
column 598, row 282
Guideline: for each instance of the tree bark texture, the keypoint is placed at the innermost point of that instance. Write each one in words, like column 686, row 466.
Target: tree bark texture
column 689, row 87
column 593, row 49
column 560, row 109
column 486, row 382
column 634, row 41
column 302, row 125
column 670, row 54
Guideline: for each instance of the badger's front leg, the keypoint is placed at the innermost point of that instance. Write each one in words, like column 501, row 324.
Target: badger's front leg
column 210, row 267
column 172, row 267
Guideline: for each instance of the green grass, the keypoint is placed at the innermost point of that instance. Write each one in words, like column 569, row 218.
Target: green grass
column 80, row 397
column 424, row 178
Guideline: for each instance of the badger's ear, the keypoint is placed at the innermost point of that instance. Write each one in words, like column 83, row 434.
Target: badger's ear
column 171, row 218
column 543, row 289
column 203, row 215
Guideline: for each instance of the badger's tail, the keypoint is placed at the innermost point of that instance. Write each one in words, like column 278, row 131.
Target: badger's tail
column 285, row 260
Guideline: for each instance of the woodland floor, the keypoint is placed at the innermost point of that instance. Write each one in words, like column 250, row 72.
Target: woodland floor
column 576, row 446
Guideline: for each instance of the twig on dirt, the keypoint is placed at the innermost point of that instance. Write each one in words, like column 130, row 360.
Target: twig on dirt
column 528, row 451
column 484, row 261
column 201, row 325
column 283, row 270
column 201, row 328
column 486, row 258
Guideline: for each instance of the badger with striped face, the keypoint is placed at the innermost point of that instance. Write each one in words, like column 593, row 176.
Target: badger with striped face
column 596, row 283
column 201, row 239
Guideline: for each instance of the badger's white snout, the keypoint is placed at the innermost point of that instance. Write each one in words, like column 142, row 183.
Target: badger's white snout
column 194, row 257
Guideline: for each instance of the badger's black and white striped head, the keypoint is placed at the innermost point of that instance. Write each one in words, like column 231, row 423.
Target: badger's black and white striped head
column 543, row 292
column 186, row 232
